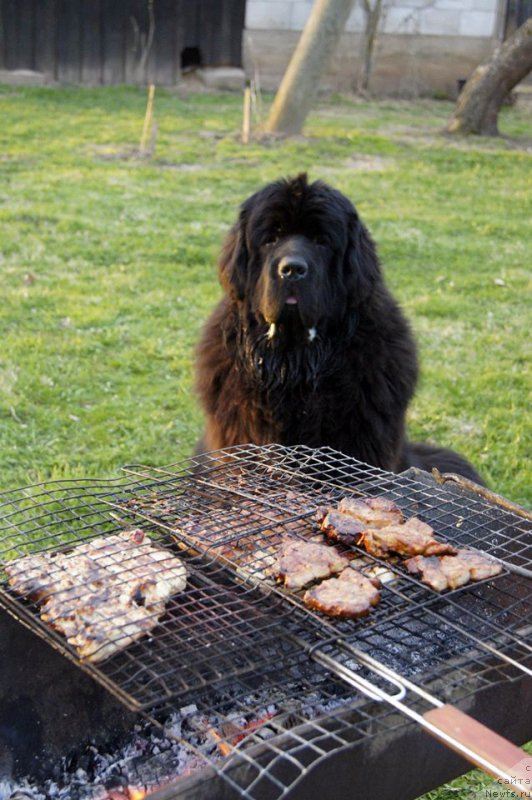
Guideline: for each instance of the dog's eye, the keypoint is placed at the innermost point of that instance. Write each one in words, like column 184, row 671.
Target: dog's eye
column 272, row 237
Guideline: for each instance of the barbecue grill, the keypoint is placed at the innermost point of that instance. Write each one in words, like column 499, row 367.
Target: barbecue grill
column 259, row 688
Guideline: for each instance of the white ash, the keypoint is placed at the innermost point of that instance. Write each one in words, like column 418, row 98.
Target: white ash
column 146, row 759
column 186, row 742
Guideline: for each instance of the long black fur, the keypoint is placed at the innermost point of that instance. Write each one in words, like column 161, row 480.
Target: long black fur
column 339, row 365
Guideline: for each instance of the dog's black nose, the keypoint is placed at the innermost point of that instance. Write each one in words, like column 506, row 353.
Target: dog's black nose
column 292, row 267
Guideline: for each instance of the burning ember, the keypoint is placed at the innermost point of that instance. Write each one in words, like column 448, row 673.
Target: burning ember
column 148, row 760
column 127, row 793
column 190, row 738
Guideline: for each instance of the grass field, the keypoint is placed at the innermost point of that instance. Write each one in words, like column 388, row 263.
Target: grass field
column 108, row 268
column 107, row 265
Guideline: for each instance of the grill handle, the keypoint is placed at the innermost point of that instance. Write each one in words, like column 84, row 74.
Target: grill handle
column 484, row 747
column 473, row 741
column 365, row 686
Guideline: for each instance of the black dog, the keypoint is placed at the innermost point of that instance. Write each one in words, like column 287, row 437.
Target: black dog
column 308, row 346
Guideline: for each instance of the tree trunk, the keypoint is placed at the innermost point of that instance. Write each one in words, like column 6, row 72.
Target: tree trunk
column 481, row 98
column 309, row 61
column 373, row 16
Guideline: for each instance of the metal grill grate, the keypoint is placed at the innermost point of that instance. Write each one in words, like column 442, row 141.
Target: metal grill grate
column 253, row 495
column 242, row 650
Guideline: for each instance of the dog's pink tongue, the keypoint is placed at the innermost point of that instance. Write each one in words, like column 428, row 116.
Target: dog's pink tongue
column 291, row 300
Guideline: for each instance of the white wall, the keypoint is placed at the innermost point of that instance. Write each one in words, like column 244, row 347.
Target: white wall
column 474, row 18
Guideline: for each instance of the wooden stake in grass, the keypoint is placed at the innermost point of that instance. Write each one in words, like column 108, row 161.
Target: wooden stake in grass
column 148, row 118
column 246, row 120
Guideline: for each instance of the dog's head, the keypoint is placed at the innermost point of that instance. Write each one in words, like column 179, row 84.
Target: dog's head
column 298, row 256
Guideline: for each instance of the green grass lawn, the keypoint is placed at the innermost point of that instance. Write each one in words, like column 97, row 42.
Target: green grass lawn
column 107, row 266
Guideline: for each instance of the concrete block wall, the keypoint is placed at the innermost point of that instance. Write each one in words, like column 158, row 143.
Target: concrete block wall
column 432, row 17
column 424, row 46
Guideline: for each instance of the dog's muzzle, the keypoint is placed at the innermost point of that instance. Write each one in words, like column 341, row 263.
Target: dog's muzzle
column 290, row 290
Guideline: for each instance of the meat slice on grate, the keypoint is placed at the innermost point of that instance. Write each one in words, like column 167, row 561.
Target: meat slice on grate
column 300, row 563
column 480, row 567
column 376, row 512
column 341, row 527
column 440, row 573
column 350, row 595
column 103, row 594
column 412, row 538
column 450, row 572
column 226, row 534
column 353, row 516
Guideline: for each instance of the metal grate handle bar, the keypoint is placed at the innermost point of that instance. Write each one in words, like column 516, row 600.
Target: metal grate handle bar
column 477, row 743
column 481, row 491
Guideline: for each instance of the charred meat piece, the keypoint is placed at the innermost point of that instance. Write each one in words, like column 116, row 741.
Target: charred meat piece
column 353, row 516
column 413, row 538
column 350, row 595
column 450, row 572
column 342, row 528
column 102, row 594
column 300, row 563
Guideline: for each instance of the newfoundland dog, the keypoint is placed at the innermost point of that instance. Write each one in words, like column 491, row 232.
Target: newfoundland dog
column 308, row 346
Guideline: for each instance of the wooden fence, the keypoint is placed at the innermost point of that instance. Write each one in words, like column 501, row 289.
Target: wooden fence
column 119, row 41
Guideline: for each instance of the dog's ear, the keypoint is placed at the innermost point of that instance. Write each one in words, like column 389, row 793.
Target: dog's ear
column 233, row 261
column 361, row 264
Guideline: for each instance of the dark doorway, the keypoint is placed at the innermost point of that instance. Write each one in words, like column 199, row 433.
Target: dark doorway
column 190, row 59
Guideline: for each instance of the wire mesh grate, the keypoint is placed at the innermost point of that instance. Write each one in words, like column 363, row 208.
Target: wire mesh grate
column 237, row 647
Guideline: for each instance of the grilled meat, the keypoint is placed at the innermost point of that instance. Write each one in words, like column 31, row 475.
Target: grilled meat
column 350, row 595
column 342, row 528
column 353, row 516
column 255, row 554
column 412, row 538
column 450, row 572
column 103, row 594
column 226, row 534
column 300, row 563
column 440, row 573
column 101, row 625
column 479, row 566
column 376, row 512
